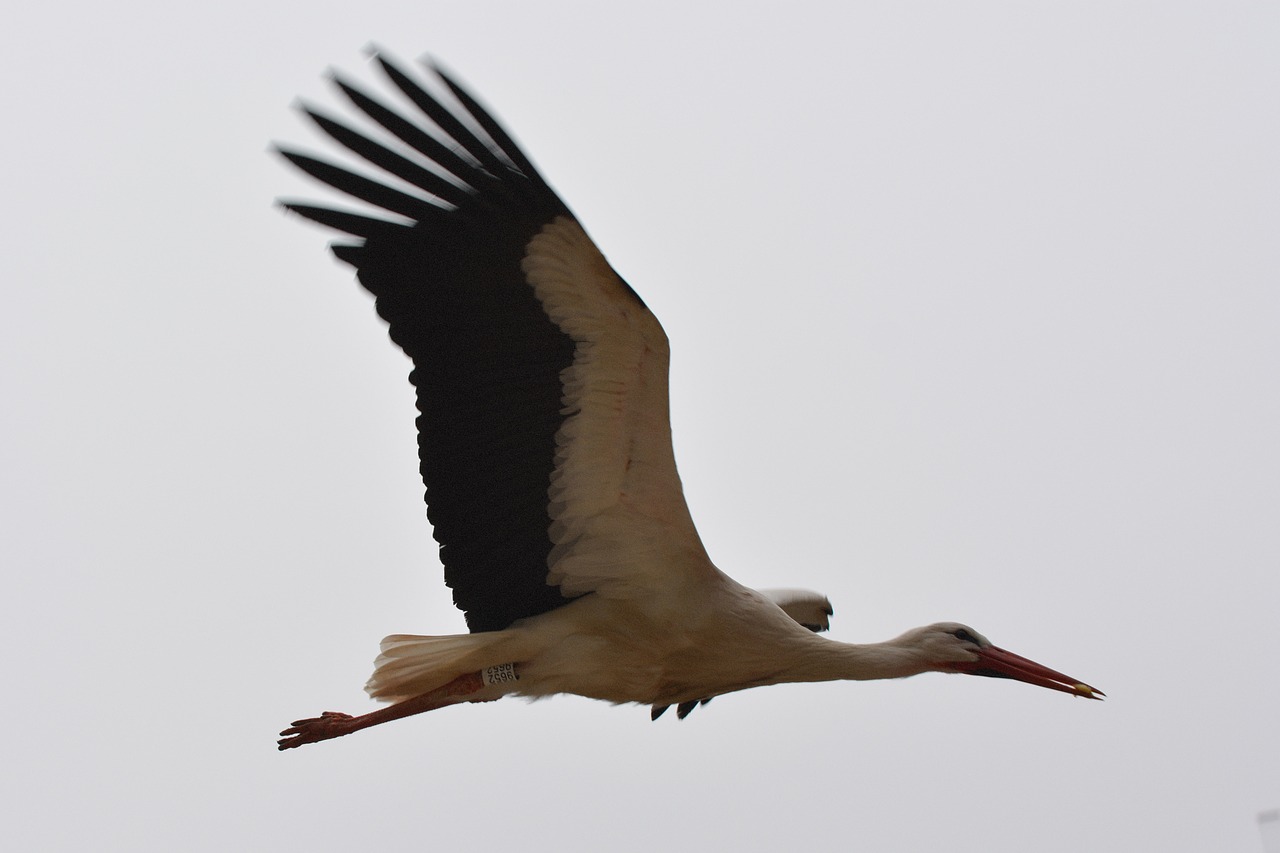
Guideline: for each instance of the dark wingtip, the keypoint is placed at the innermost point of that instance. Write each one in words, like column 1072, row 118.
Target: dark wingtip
column 437, row 68
column 348, row 253
column 289, row 154
column 311, row 112
column 336, row 77
column 389, row 67
column 657, row 711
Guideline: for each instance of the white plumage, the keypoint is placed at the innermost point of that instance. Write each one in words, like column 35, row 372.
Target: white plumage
column 545, row 446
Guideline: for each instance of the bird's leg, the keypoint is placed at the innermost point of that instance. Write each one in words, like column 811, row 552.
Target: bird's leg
column 332, row 724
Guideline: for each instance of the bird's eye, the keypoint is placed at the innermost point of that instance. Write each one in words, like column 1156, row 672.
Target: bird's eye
column 966, row 635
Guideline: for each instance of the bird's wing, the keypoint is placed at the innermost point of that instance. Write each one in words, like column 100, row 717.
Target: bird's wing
column 544, row 435
column 811, row 609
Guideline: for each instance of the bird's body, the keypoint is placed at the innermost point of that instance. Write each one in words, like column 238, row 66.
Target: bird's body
column 609, row 649
column 545, row 447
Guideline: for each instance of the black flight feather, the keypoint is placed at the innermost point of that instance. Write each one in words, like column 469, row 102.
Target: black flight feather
column 487, row 358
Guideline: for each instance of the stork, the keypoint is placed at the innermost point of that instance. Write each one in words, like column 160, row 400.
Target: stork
column 545, row 447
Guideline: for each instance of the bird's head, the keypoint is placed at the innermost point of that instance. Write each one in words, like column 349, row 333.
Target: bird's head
column 952, row 647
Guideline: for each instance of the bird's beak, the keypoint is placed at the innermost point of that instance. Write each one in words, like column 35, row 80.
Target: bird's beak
column 995, row 662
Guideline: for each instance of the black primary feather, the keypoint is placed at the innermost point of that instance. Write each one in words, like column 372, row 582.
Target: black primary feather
column 487, row 359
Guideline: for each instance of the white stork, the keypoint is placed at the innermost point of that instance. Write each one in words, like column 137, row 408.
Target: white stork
column 545, row 447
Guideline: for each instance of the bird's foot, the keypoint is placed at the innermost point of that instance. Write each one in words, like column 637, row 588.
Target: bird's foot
column 330, row 724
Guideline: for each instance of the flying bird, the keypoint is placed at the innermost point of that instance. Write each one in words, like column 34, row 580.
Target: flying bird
column 545, row 447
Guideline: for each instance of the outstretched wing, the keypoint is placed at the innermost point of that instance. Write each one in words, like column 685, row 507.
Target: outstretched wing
column 811, row 609
column 544, row 436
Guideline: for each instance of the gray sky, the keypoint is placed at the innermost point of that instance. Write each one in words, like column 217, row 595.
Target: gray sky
column 974, row 316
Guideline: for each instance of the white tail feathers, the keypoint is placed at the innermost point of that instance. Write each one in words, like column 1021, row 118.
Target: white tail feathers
column 410, row 666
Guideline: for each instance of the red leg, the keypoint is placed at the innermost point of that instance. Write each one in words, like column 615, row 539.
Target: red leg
column 332, row 724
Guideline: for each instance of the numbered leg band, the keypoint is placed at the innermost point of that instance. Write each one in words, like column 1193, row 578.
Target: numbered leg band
column 501, row 674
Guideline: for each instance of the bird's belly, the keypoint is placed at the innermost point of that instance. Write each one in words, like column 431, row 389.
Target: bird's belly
column 608, row 668
column 618, row 667
column 701, row 674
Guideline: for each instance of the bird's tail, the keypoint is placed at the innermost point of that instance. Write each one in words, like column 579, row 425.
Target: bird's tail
column 410, row 665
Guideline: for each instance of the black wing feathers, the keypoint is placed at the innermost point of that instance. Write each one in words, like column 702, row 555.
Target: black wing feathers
column 388, row 160
column 495, row 131
column 447, row 121
column 487, row 359
column 341, row 220
column 360, row 186
column 408, row 132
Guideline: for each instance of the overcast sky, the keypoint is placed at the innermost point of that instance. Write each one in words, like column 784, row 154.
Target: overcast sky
column 974, row 311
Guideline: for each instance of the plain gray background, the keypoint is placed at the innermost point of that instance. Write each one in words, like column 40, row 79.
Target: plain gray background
column 974, row 316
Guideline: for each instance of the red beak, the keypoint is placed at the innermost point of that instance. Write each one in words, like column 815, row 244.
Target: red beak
column 995, row 662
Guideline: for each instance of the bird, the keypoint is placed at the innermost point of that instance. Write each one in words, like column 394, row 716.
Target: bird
column 544, row 442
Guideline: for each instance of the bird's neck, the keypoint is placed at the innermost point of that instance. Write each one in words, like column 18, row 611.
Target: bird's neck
column 829, row 660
